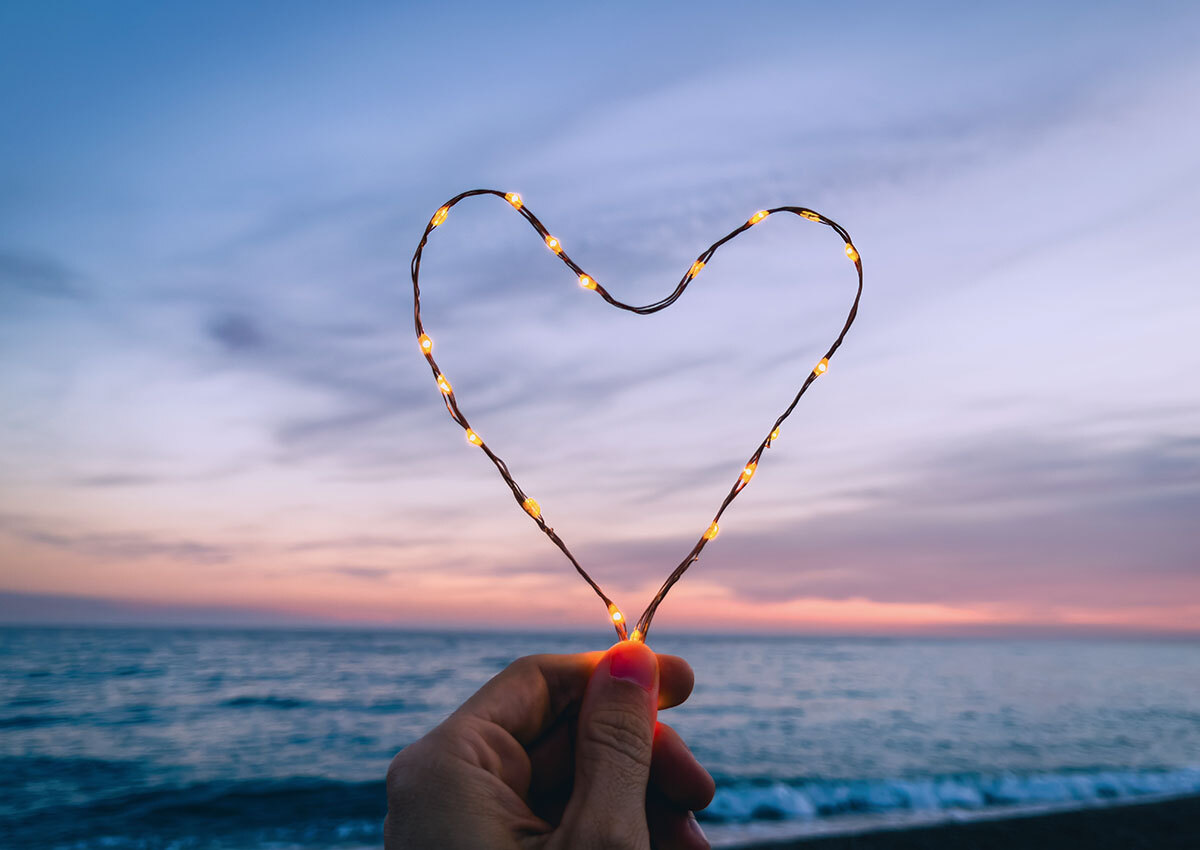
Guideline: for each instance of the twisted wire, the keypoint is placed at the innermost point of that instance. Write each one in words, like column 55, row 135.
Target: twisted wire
column 643, row 623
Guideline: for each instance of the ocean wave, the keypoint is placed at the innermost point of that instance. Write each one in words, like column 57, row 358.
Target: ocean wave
column 392, row 706
column 32, row 721
column 818, row 799
column 265, row 702
column 219, row 814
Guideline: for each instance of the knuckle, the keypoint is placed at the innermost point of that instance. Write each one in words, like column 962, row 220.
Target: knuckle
column 523, row 668
column 622, row 733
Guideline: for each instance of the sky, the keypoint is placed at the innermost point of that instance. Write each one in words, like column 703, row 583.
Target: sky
column 215, row 410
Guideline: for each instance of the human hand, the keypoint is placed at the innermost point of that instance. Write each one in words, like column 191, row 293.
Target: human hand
column 556, row 752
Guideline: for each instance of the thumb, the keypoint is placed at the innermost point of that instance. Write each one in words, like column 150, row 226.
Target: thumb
column 615, row 739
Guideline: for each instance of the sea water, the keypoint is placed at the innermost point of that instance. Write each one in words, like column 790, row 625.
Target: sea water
column 157, row 738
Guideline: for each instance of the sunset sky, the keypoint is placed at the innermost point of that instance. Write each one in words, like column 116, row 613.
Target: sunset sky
column 215, row 410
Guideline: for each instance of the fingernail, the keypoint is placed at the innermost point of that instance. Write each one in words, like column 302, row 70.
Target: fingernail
column 694, row 826
column 633, row 662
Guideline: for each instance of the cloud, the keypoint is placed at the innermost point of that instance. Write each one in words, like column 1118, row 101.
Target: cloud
column 237, row 333
column 1016, row 518
column 367, row 573
column 116, row 546
column 67, row 609
column 23, row 274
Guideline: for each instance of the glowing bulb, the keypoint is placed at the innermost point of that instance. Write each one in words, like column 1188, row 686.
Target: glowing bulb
column 748, row 472
column 532, row 508
column 439, row 216
column 810, row 215
column 712, row 531
column 553, row 244
column 444, row 385
column 695, row 269
column 822, row 367
column 426, row 343
column 758, row 216
column 473, row 438
column 636, row 636
column 514, row 198
column 852, row 253
column 774, row 436
column 586, row 282
column 615, row 613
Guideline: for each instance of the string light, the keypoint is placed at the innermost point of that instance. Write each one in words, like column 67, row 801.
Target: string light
column 530, row 505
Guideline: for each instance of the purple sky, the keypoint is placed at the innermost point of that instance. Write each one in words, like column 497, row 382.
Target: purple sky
column 213, row 400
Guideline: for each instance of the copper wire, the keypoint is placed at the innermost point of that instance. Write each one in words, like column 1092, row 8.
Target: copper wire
column 643, row 624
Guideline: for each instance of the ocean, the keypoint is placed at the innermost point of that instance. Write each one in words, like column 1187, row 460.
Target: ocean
column 161, row 738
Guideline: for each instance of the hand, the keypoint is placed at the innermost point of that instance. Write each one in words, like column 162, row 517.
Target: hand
column 557, row 752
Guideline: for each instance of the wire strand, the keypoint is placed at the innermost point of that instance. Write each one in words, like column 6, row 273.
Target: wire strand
column 529, row 505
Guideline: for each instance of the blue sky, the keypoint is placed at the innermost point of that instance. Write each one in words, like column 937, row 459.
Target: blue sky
column 213, row 398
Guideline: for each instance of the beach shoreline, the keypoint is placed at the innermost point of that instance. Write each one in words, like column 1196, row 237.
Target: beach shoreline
column 1173, row 824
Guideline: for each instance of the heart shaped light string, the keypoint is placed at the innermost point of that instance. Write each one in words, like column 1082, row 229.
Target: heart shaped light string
column 588, row 282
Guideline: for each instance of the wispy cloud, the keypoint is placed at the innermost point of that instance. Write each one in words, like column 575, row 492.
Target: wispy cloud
column 233, row 382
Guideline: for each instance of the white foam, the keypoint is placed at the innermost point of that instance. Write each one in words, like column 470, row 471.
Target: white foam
column 816, row 800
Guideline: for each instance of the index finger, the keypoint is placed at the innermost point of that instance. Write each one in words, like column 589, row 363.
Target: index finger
column 527, row 696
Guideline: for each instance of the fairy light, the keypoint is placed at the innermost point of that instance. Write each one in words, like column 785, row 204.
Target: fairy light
column 530, row 505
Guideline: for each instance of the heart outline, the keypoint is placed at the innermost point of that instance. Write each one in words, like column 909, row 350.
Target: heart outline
column 529, row 505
